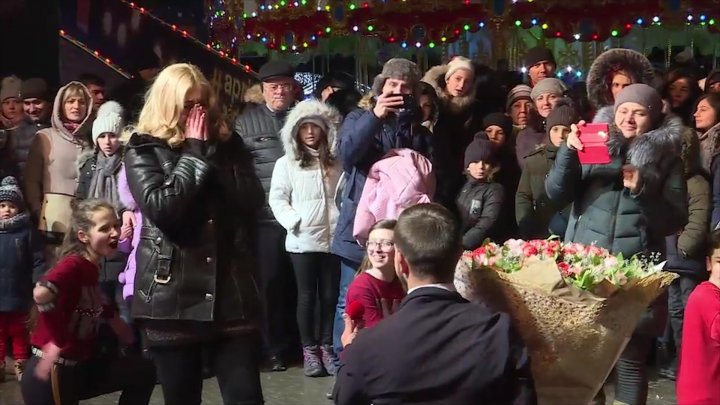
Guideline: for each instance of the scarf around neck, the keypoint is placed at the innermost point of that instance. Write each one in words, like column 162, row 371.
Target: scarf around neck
column 15, row 223
column 104, row 181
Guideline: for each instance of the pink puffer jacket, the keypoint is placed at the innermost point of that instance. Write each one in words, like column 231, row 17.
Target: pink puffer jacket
column 399, row 180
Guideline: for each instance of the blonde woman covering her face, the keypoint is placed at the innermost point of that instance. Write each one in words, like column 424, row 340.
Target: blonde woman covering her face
column 199, row 196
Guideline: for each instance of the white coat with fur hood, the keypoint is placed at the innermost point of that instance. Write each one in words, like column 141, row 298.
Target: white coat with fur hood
column 303, row 199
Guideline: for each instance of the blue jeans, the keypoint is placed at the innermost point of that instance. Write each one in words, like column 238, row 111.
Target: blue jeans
column 347, row 274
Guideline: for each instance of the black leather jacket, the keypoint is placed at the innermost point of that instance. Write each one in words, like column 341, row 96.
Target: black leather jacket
column 199, row 205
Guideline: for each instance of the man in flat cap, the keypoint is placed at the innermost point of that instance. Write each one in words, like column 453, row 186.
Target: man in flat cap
column 259, row 126
column 37, row 105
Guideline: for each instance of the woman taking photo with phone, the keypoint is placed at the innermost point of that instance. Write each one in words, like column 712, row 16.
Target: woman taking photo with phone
column 629, row 205
column 199, row 196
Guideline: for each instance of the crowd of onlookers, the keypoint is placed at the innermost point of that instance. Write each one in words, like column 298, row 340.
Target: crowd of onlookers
column 238, row 235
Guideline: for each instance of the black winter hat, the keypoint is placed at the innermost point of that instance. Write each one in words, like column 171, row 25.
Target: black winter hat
column 274, row 69
column 35, row 88
column 537, row 55
column 564, row 113
column 501, row 120
column 480, row 149
column 339, row 80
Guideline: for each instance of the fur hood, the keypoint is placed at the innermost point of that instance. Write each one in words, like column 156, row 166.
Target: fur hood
column 306, row 109
column 633, row 62
column 435, row 77
column 655, row 147
column 254, row 94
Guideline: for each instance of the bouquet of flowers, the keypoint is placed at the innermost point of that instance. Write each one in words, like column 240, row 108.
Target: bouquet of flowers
column 576, row 306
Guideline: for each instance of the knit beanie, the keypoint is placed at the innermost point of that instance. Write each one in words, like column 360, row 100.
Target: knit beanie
column 550, row 85
column 563, row 114
column 519, row 92
column 10, row 87
column 644, row 95
column 480, row 149
column 10, row 191
column 313, row 120
column 35, row 88
column 109, row 119
column 537, row 55
column 500, row 120
column 457, row 63
column 399, row 69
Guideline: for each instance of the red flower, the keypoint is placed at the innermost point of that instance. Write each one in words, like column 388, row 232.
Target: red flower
column 478, row 252
column 564, row 269
column 529, row 250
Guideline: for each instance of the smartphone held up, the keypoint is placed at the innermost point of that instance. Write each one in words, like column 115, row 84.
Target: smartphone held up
column 594, row 139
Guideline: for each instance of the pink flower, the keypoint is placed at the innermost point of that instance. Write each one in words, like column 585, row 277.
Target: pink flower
column 564, row 269
column 529, row 250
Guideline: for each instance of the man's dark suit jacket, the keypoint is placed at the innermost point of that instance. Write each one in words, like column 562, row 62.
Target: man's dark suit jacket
column 436, row 349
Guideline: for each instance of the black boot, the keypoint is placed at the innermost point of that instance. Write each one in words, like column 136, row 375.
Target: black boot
column 277, row 363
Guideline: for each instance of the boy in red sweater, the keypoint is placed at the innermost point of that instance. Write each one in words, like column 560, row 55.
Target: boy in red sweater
column 699, row 375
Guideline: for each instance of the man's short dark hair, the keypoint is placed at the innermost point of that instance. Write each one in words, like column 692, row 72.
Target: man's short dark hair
column 428, row 236
column 91, row 78
column 713, row 242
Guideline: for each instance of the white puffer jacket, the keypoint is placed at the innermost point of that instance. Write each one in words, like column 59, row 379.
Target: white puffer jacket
column 303, row 199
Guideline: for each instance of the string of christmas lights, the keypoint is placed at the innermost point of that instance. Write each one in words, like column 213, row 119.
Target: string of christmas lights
column 96, row 54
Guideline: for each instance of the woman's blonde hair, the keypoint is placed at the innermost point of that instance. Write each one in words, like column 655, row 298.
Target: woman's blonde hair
column 165, row 101
column 75, row 89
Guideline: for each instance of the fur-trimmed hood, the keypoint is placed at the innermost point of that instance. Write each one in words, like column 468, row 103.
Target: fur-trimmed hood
column 612, row 60
column 254, row 94
column 651, row 148
column 311, row 108
column 435, row 77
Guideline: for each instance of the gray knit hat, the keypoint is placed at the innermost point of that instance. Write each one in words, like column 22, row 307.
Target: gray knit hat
column 644, row 95
column 10, row 191
column 400, row 69
column 548, row 85
column 10, row 87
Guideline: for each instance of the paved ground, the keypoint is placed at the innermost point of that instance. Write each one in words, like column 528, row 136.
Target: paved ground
column 290, row 388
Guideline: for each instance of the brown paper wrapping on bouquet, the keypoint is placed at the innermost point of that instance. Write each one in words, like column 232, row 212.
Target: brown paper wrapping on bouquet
column 574, row 337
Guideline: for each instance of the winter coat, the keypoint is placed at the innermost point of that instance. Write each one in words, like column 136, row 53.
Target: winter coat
column 529, row 138
column 709, row 146
column 112, row 266
column 199, row 205
column 609, row 215
column 479, row 204
column 51, row 173
column 259, row 128
column 363, row 140
column 127, row 277
column 401, row 179
column 687, row 249
column 534, row 211
column 606, row 64
column 302, row 199
column 22, row 139
column 23, row 262
column 456, row 125
column 8, row 165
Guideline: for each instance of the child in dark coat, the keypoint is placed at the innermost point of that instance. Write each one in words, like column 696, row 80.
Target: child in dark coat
column 22, row 259
column 480, row 200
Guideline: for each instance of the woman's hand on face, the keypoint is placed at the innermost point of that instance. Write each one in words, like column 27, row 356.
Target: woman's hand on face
column 573, row 139
column 196, row 125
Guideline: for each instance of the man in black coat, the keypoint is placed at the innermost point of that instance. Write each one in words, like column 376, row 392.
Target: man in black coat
column 437, row 348
column 259, row 126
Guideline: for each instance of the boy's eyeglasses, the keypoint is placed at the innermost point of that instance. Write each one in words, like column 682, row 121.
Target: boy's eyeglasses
column 384, row 245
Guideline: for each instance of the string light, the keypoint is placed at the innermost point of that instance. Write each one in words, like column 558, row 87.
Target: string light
column 96, row 54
